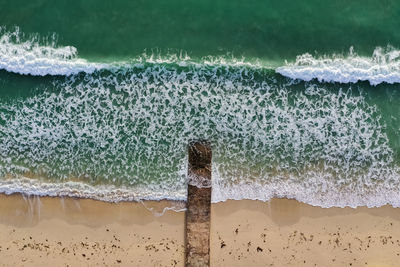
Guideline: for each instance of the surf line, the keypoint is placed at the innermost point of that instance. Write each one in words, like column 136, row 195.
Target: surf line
column 198, row 210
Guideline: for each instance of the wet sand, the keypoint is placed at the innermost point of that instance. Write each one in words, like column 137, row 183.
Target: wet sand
column 81, row 232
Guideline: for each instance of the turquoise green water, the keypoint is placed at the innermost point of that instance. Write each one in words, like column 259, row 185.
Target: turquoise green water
column 100, row 99
column 266, row 30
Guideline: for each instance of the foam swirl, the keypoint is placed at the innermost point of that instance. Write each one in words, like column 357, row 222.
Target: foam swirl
column 129, row 128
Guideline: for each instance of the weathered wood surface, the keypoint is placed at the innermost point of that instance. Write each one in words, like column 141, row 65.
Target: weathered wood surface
column 198, row 205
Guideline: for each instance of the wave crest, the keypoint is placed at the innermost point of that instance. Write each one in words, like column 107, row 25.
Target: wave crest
column 27, row 56
column 382, row 67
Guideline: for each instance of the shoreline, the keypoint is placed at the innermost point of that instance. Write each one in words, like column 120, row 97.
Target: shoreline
column 280, row 232
column 112, row 194
column 76, row 189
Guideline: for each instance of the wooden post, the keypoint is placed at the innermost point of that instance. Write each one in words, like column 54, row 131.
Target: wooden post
column 198, row 204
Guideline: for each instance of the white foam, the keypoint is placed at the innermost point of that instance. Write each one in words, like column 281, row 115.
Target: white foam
column 382, row 67
column 132, row 127
column 108, row 193
column 30, row 57
column 313, row 188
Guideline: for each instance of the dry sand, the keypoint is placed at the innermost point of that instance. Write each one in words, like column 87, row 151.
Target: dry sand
column 72, row 232
column 288, row 233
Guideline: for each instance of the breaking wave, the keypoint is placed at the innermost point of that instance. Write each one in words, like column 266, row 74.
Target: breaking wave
column 382, row 67
column 28, row 56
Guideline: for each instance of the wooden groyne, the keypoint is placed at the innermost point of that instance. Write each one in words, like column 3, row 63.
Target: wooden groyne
column 198, row 204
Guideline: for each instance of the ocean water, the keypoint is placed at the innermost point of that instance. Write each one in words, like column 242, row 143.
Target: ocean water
column 298, row 99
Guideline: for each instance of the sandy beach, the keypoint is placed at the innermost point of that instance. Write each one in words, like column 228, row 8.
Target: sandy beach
column 82, row 232
column 288, row 233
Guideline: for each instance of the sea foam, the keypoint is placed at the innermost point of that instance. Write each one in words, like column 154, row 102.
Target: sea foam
column 108, row 193
column 382, row 67
column 27, row 56
column 129, row 128
column 315, row 188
